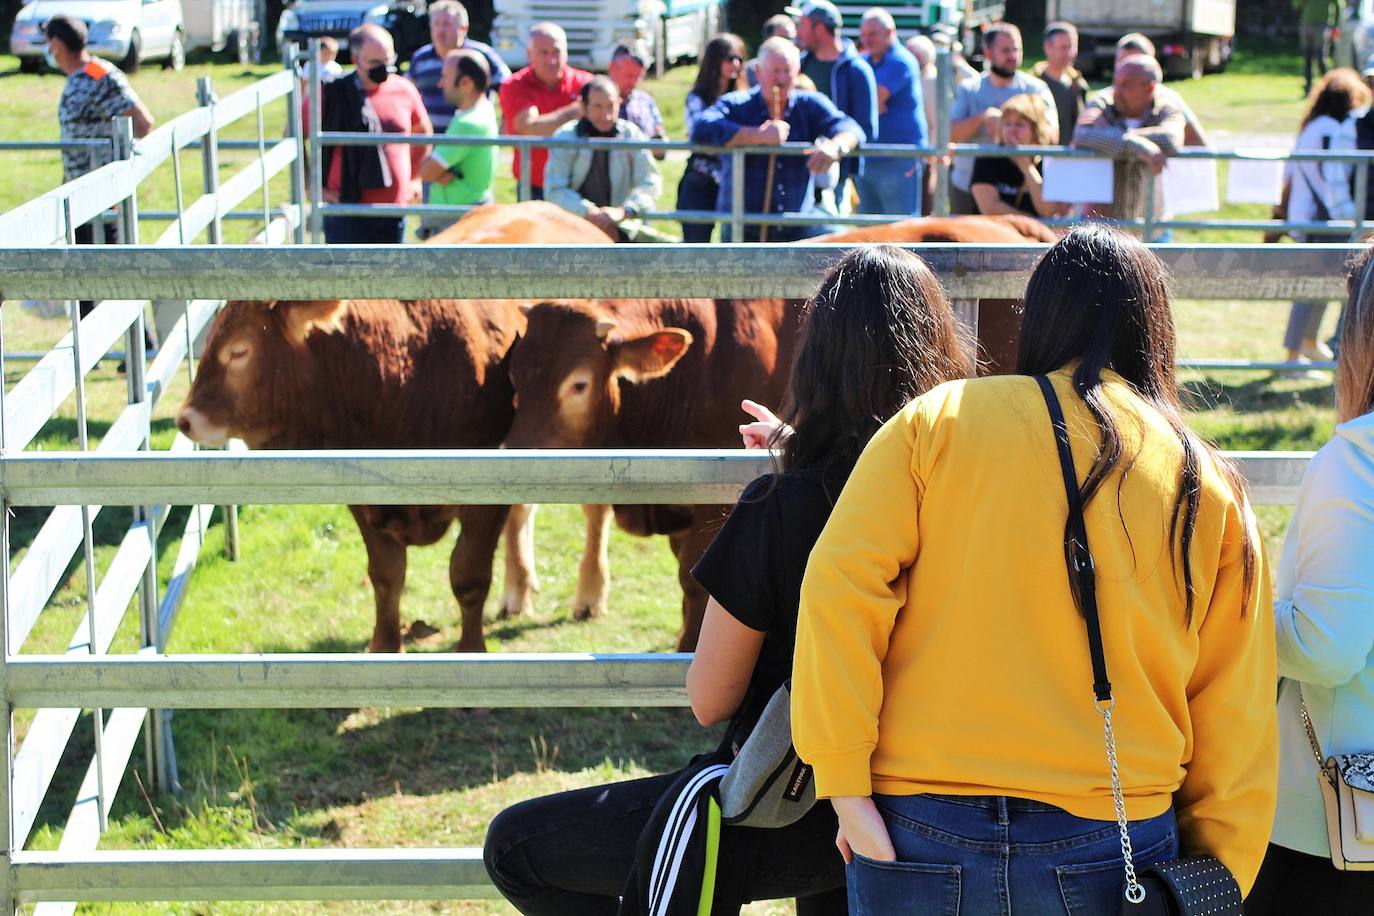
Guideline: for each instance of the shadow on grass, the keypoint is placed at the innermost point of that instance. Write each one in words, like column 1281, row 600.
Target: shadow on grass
column 1264, row 412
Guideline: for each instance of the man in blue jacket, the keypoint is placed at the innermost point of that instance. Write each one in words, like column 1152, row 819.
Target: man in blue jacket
column 887, row 185
column 839, row 72
column 742, row 118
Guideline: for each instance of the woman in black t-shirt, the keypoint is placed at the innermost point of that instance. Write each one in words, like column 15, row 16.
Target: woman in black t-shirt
column 879, row 332
column 1013, row 184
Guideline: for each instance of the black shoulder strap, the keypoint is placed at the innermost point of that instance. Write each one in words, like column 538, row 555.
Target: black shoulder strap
column 1081, row 566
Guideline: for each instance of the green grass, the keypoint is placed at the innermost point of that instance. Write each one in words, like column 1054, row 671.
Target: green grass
column 408, row 777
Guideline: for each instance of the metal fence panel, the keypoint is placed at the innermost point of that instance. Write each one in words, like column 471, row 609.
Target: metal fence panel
column 341, row 681
column 609, row 271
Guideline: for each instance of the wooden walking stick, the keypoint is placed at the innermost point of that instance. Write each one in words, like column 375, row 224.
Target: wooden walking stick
column 774, row 113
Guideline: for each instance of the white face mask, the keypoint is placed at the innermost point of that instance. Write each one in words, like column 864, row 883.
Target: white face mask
column 49, row 57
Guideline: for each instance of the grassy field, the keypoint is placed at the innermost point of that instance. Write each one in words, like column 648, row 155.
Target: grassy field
column 410, row 777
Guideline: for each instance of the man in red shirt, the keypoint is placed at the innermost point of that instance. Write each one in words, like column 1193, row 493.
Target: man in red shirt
column 370, row 100
column 543, row 97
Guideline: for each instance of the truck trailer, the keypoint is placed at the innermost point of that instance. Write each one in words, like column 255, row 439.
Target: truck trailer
column 1191, row 37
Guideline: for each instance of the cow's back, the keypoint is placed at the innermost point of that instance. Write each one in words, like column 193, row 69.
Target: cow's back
column 1002, row 228
column 528, row 222
column 427, row 373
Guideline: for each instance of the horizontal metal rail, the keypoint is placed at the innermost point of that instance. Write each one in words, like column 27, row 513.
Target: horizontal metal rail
column 608, row 271
column 443, row 477
column 252, row 874
column 342, row 681
column 12, row 146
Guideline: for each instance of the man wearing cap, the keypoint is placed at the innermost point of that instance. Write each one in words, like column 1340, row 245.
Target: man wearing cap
column 542, row 97
column 834, row 65
column 629, row 62
column 742, row 118
column 976, row 114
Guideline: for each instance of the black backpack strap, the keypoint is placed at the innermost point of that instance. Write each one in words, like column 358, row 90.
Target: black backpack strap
column 1076, row 533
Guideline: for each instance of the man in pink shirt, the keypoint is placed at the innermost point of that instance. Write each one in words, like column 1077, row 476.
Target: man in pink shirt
column 543, row 97
column 370, row 100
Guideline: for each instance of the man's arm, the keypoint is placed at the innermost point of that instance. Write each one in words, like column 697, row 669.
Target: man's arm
column 1168, row 133
column 530, row 122
column 435, row 169
column 419, row 124
column 142, row 118
column 646, row 182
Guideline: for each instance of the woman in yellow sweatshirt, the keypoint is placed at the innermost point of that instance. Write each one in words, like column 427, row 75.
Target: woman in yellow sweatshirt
column 942, row 684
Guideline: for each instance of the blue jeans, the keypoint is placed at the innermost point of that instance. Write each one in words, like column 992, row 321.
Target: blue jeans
column 988, row 856
column 885, row 187
column 697, row 191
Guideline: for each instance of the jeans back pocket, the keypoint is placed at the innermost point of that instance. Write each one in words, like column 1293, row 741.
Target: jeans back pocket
column 1094, row 888
column 898, row 888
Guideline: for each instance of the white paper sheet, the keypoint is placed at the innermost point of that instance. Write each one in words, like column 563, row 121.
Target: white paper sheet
column 1254, row 181
column 1190, row 186
column 1078, row 181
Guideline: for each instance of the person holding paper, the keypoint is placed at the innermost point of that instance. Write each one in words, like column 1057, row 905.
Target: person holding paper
column 1137, row 127
column 1013, row 184
column 1321, row 191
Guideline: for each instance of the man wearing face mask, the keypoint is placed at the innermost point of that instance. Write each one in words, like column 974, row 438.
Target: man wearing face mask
column 610, row 188
column 975, row 115
column 372, row 100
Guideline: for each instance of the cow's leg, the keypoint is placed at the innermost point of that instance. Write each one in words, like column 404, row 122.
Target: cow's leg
column 593, row 575
column 386, row 568
column 521, row 580
column 688, row 546
column 469, row 568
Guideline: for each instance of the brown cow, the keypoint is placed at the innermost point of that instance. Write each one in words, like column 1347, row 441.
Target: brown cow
column 659, row 373
column 999, row 320
column 383, row 374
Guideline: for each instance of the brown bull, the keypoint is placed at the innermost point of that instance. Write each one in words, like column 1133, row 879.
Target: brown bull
column 999, row 320
column 383, row 374
column 656, row 373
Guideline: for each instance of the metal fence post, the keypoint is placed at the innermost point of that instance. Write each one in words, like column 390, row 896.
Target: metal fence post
column 944, row 90
column 316, row 166
column 526, row 154
column 1148, row 214
column 157, row 748
column 737, row 196
column 1361, row 198
column 209, row 158
column 7, row 903
column 296, row 130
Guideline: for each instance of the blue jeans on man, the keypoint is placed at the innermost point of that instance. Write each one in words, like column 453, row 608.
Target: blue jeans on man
column 890, row 186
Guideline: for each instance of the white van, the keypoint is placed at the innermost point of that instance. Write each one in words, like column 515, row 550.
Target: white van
column 126, row 32
column 674, row 29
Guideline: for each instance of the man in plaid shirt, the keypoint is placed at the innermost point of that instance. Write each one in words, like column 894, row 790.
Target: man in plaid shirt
column 1137, row 127
column 629, row 62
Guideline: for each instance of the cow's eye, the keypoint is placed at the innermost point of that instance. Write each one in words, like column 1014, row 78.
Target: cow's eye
column 238, row 353
column 580, row 387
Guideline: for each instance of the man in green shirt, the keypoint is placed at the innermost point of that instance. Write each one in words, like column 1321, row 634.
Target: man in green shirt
column 1317, row 16
column 462, row 175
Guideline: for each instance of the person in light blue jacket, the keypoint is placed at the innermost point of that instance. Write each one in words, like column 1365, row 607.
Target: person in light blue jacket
column 1324, row 617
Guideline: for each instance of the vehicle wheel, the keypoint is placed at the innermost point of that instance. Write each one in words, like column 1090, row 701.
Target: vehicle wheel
column 176, row 57
column 30, row 65
column 131, row 60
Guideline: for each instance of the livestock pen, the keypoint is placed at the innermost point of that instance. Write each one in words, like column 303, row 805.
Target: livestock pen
column 155, row 679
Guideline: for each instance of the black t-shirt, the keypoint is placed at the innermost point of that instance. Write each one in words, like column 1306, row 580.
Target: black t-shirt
column 754, row 568
column 1002, row 174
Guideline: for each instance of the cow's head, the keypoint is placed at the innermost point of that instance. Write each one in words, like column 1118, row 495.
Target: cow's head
column 254, row 356
column 568, row 368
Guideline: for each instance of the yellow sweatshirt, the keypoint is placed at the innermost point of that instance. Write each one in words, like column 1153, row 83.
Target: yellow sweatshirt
column 939, row 650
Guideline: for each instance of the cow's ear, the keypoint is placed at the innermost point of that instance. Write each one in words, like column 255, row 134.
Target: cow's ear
column 526, row 308
column 303, row 317
column 652, row 355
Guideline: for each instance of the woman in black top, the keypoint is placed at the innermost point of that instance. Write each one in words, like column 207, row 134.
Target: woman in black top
column 880, row 331
column 1014, row 184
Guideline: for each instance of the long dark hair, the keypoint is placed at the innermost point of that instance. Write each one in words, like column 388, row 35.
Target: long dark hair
column 718, row 50
column 1100, row 297
column 879, row 332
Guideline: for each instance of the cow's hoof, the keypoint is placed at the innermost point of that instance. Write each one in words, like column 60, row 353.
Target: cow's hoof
column 514, row 607
column 386, row 646
column 471, row 645
column 583, row 612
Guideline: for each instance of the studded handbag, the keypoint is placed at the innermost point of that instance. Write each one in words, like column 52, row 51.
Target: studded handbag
column 1347, row 785
column 1188, row 886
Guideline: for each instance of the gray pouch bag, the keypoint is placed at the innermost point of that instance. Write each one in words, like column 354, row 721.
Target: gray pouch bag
column 767, row 785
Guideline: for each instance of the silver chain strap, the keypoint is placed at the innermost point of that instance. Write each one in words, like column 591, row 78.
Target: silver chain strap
column 1135, row 891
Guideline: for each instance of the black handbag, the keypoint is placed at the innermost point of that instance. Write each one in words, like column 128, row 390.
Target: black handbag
column 1188, row 886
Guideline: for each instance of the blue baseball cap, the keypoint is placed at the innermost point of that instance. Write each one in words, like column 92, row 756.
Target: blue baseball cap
column 822, row 11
